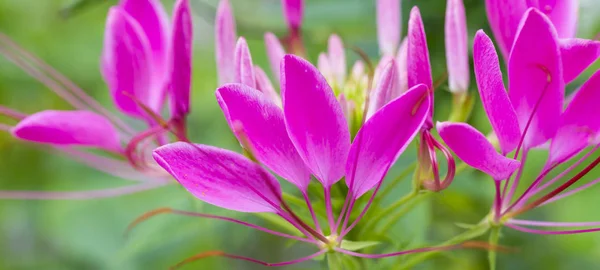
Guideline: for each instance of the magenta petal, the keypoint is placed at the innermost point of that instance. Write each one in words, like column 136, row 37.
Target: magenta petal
column 495, row 100
column 383, row 138
column 261, row 121
column 244, row 69
column 337, row 59
column 580, row 124
column 314, row 119
column 181, row 58
column 152, row 17
column 535, row 72
column 78, row 128
column 419, row 69
column 275, row 52
column 402, row 68
column 386, row 88
column 388, row 26
column 563, row 14
column 225, row 41
column 577, row 55
column 220, row 177
column 293, row 11
column 126, row 65
column 457, row 48
column 264, row 85
column 474, row 149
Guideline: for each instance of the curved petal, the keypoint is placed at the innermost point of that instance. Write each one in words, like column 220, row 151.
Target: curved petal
column 79, row 128
column 244, row 69
column 152, row 17
column 385, row 89
column 337, row 59
column 417, row 58
column 293, row 11
column 264, row 85
column 275, row 52
column 505, row 15
column 580, row 124
column 181, row 59
column 126, row 64
column 220, row 177
column 252, row 115
column 314, row 119
column 383, row 138
column 225, row 41
column 474, row 149
column 493, row 95
column 536, row 78
column 457, row 50
column 388, row 26
column 577, row 55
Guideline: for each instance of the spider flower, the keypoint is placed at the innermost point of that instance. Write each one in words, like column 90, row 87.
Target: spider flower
column 309, row 136
column 529, row 115
column 143, row 61
column 577, row 54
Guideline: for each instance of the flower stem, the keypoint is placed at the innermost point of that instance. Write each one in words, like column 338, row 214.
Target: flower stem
column 474, row 232
column 494, row 236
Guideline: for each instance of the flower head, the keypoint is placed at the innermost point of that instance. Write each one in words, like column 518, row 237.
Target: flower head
column 143, row 61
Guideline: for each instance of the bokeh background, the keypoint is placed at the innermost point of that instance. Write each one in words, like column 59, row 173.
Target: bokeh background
column 89, row 234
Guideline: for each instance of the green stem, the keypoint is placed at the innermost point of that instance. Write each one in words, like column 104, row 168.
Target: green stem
column 407, row 208
column 494, row 236
column 474, row 232
column 388, row 210
column 397, row 180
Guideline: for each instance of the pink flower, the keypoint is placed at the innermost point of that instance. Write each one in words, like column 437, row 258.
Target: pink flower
column 529, row 115
column 142, row 62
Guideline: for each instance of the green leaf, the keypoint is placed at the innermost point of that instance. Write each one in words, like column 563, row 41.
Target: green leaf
column 353, row 246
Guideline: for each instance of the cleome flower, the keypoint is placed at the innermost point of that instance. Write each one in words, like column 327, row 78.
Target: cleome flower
column 309, row 136
column 143, row 61
column 529, row 115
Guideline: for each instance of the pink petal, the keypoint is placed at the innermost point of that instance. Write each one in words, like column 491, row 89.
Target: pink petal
column 225, row 41
column 78, row 128
column 504, row 17
column 220, row 177
column 493, row 95
column 386, row 88
column 358, row 71
column 244, row 69
column 264, row 85
column 417, row 57
column 293, row 11
column 579, row 124
column 474, row 149
column 457, row 51
column 337, row 60
column 181, row 64
column 535, row 72
column 314, row 119
column 577, row 55
column 402, row 68
column 126, row 64
column 388, row 26
column 275, row 53
column 261, row 122
column 383, row 138
column 153, row 19
column 324, row 66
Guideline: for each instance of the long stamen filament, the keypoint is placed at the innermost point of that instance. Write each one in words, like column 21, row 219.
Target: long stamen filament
column 237, row 257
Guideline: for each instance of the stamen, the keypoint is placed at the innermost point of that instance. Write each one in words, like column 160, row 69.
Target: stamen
column 16, row 115
column 535, row 231
column 552, row 224
column 4, row 127
column 134, row 160
column 312, row 212
column 470, row 244
column 79, row 195
column 217, row 253
column 567, row 194
column 167, row 210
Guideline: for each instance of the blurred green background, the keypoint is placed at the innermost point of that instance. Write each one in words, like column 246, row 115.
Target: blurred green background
column 90, row 234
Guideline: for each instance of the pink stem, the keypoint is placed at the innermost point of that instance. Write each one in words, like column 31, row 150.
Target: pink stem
column 571, row 192
column 507, row 198
column 343, row 212
column 364, row 211
column 296, row 225
column 329, row 209
column 12, row 113
column 348, row 214
column 5, row 127
column 312, row 212
column 79, row 195
column 552, row 224
column 249, row 225
column 399, row 253
column 299, row 260
column 497, row 201
column 535, row 231
column 523, row 198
